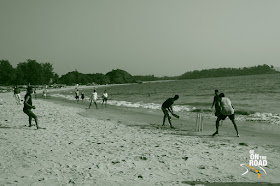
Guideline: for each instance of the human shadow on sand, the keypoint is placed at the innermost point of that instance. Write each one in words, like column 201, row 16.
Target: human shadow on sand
column 17, row 127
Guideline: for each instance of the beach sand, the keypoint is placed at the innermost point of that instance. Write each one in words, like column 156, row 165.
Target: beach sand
column 123, row 146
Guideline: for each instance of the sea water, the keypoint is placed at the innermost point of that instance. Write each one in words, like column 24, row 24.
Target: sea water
column 255, row 97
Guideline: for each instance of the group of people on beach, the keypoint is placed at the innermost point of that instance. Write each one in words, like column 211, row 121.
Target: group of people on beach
column 223, row 106
column 223, row 109
column 77, row 95
column 93, row 97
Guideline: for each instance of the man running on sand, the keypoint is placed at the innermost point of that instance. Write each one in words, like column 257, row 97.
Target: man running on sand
column 167, row 106
column 28, row 106
column 225, row 110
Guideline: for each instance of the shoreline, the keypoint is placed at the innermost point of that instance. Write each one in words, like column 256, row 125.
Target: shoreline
column 251, row 132
column 103, row 150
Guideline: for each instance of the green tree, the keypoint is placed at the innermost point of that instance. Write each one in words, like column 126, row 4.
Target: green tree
column 47, row 73
column 34, row 73
column 7, row 72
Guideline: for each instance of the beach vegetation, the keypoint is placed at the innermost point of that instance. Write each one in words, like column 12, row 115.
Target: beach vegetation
column 35, row 73
column 29, row 71
column 7, row 72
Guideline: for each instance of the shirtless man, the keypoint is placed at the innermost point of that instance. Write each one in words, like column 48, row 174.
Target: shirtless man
column 167, row 106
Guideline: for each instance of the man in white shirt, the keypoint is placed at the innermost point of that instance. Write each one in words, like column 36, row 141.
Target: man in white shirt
column 226, row 110
column 93, row 98
column 105, row 98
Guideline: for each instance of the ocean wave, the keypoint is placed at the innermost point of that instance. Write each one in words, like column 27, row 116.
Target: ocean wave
column 265, row 117
column 176, row 108
column 242, row 115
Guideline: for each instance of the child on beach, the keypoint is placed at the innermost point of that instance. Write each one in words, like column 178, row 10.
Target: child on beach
column 93, row 98
column 225, row 110
column 28, row 106
column 83, row 96
column 77, row 94
column 167, row 106
column 105, row 98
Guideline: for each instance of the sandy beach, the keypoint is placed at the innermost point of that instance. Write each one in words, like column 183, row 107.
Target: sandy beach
column 119, row 146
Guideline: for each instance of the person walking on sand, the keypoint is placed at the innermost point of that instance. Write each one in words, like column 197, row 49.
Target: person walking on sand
column 225, row 110
column 28, row 106
column 167, row 106
column 17, row 95
column 105, row 98
column 93, row 99
column 77, row 94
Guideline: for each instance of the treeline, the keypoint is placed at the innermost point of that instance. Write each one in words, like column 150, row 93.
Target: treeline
column 36, row 73
column 27, row 72
column 226, row 72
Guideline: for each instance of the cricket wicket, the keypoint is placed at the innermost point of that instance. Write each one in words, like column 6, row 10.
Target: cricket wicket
column 199, row 122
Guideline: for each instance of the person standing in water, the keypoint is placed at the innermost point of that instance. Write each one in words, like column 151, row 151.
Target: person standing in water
column 105, row 98
column 225, row 110
column 167, row 106
column 93, row 99
column 28, row 106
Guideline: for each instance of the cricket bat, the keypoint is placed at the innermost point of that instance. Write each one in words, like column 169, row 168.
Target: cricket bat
column 175, row 115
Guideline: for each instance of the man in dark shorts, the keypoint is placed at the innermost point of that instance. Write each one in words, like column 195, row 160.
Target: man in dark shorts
column 167, row 106
column 225, row 110
column 28, row 106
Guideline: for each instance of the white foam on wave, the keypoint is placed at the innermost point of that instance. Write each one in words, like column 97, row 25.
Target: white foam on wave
column 129, row 104
column 146, row 105
column 265, row 117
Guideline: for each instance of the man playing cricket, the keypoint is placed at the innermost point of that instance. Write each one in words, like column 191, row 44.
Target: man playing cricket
column 167, row 106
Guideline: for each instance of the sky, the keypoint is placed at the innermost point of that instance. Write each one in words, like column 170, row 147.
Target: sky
column 143, row 37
